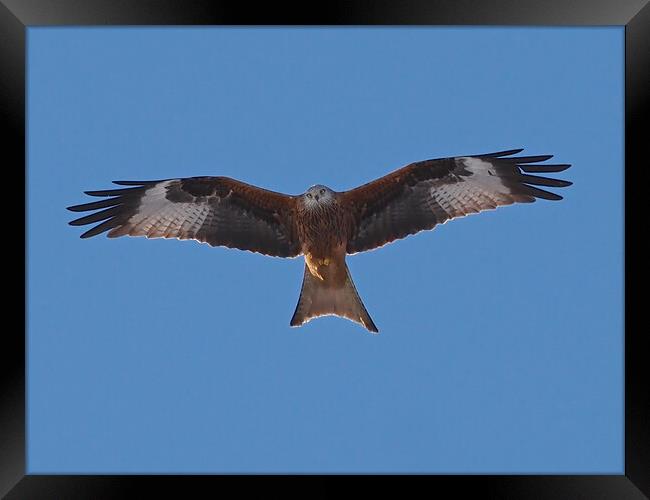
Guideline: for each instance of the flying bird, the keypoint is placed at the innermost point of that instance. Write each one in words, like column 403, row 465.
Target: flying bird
column 321, row 224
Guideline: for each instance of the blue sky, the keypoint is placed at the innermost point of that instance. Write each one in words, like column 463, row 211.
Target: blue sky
column 501, row 344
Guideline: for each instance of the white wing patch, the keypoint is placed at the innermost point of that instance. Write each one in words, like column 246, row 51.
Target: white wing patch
column 157, row 217
column 483, row 190
column 484, row 175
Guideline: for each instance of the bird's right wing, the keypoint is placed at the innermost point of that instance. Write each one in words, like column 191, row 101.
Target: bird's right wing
column 424, row 194
column 216, row 210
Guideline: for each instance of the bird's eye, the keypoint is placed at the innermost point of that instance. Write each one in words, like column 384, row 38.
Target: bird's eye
column 322, row 191
column 308, row 195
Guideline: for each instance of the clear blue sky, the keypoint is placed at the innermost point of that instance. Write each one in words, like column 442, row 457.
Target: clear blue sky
column 501, row 344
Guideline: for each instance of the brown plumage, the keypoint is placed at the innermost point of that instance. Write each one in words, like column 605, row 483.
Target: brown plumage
column 321, row 224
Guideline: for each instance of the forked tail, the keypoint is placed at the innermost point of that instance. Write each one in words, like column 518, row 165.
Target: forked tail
column 322, row 298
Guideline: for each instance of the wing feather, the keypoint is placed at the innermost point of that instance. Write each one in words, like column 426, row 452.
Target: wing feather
column 424, row 194
column 216, row 210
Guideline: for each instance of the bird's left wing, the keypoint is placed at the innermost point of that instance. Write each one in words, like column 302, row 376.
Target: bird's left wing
column 424, row 194
column 216, row 210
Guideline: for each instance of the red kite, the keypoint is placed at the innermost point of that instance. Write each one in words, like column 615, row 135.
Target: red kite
column 321, row 224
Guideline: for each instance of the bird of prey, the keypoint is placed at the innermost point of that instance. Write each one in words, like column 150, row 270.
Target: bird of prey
column 321, row 224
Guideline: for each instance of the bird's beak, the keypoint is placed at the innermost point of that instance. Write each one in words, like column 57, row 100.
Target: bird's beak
column 316, row 196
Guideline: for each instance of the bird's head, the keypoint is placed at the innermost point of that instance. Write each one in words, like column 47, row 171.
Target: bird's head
column 317, row 196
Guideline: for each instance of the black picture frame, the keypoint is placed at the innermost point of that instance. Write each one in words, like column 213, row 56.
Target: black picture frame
column 17, row 15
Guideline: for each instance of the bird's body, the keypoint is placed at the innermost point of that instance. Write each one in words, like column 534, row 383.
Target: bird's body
column 319, row 213
column 327, row 286
column 321, row 224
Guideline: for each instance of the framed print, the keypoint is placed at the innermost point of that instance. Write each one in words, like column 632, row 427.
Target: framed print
column 506, row 358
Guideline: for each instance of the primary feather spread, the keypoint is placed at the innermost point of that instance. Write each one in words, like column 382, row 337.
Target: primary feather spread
column 321, row 224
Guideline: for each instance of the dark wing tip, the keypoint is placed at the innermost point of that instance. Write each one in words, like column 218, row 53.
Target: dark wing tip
column 517, row 169
column 532, row 190
column 537, row 180
column 530, row 159
column 104, row 226
column 551, row 196
column 544, row 168
column 137, row 183
column 499, row 154
column 112, row 211
column 112, row 192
